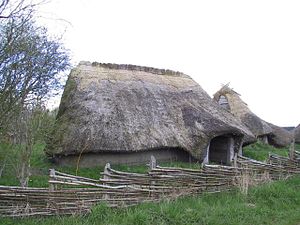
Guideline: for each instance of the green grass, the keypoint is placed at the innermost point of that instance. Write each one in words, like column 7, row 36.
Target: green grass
column 277, row 203
column 40, row 166
column 260, row 151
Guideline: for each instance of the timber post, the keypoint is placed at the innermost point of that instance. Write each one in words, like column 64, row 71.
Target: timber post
column 292, row 150
column 106, row 177
column 235, row 159
column 152, row 164
column 269, row 159
column 51, row 175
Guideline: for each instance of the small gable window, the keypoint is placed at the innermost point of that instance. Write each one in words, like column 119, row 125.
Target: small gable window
column 223, row 102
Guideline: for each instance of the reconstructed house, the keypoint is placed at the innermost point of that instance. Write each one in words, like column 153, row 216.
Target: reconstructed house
column 125, row 113
column 266, row 132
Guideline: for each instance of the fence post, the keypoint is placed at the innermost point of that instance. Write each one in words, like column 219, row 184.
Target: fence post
column 152, row 164
column 269, row 159
column 292, row 150
column 206, row 157
column 235, row 159
column 51, row 174
column 106, row 177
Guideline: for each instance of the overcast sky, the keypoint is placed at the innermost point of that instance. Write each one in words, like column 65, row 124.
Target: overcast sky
column 254, row 45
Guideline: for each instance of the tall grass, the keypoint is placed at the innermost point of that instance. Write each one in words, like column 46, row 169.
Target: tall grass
column 260, row 151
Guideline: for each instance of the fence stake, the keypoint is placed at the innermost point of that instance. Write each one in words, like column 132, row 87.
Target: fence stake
column 235, row 159
column 51, row 173
column 106, row 177
column 292, row 150
column 152, row 164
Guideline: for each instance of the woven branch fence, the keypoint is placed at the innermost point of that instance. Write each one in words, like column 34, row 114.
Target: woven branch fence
column 297, row 155
column 68, row 194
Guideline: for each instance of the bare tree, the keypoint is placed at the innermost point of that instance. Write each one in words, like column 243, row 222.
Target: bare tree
column 17, row 8
column 30, row 65
column 26, row 128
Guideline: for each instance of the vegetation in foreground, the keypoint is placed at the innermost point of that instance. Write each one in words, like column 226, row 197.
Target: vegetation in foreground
column 274, row 203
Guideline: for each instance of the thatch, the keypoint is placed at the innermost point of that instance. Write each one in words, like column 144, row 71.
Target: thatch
column 126, row 108
column 260, row 128
column 280, row 137
column 297, row 134
column 241, row 111
column 289, row 128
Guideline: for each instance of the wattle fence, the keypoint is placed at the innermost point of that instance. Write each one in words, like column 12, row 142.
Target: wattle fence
column 69, row 194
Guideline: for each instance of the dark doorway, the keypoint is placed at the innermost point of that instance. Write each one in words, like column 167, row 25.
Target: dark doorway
column 263, row 138
column 221, row 149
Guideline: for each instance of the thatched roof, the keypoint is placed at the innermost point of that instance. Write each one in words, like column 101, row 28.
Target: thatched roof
column 289, row 128
column 278, row 136
column 241, row 111
column 297, row 134
column 110, row 107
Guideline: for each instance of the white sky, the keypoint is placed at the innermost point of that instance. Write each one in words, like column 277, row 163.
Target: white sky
column 254, row 45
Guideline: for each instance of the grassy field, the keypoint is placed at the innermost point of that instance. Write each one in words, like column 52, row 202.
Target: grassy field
column 260, row 151
column 275, row 203
column 40, row 166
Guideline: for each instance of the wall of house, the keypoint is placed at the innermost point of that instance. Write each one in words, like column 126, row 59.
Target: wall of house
column 129, row 158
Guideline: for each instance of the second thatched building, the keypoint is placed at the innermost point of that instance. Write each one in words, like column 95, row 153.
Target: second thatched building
column 266, row 132
column 297, row 134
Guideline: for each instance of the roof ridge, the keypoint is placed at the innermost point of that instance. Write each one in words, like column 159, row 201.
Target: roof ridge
column 133, row 68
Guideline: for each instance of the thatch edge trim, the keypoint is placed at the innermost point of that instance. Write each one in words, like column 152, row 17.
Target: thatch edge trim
column 131, row 67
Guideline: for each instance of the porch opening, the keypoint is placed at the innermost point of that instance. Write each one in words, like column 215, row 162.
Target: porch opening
column 264, row 139
column 221, row 150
